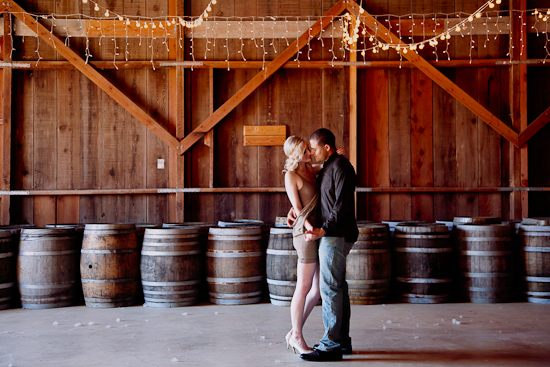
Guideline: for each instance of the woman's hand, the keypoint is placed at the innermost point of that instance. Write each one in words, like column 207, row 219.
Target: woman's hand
column 341, row 151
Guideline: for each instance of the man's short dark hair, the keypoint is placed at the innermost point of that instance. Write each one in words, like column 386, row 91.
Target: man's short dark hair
column 324, row 136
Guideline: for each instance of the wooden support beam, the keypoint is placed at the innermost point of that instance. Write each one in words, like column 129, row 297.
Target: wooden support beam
column 534, row 127
column 262, row 76
column 328, row 64
column 5, row 128
column 93, row 74
column 519, row 204
column 434, row 74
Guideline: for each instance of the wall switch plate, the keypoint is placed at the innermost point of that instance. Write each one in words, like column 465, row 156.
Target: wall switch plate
column 160, row 163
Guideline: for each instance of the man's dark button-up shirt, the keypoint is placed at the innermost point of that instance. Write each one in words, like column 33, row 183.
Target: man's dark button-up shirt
column 337, row 181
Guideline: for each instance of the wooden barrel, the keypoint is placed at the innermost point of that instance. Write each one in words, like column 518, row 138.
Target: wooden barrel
column 368, row 265
column 486, row 262
column 171, row 267
column 394, row 223
column 109, row 265
column 423, row 262
column 281, row 266
column 8, row 250
column 47, row 268
column 234, row 265
column 535, row 249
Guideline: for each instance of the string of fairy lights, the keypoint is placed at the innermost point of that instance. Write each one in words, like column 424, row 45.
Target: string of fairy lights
column 348, row 34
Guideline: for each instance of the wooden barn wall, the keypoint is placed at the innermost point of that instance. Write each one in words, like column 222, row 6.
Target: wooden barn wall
column 67, row 134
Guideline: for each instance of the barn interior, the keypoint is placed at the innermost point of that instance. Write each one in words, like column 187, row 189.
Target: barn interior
column 131, row 115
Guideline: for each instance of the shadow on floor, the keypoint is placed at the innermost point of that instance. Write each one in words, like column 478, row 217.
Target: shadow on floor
column 491, row 356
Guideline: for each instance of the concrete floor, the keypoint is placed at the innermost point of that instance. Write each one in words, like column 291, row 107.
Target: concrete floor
column 514, row 334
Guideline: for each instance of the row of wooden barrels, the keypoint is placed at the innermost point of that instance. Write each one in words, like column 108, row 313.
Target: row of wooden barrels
column 422, row 263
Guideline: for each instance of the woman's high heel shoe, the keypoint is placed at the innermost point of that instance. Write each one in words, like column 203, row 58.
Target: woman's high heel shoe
column 287, row 338
column 295, row 347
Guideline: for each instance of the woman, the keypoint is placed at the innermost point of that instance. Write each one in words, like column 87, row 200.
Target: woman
column 302, row 191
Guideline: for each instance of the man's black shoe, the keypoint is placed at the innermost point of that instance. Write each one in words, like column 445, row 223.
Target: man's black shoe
column 321, row 356
column 345, row 350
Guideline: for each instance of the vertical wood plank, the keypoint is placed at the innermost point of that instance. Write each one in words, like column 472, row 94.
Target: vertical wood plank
column 6, row 127
column 135, row 133
column 422, row 170
column 45, row 144
column 68, row 149
column 399, row 148
column 90, row 96
column 377, row 136
column 467, row 148
column 445, row 171
column 23, row 135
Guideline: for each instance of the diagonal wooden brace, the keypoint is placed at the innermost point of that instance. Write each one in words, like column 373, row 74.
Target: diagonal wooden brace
column 92, row 74
column 434, row 74
column 262, row 76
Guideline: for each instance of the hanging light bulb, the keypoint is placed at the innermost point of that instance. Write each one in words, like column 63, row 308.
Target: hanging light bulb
column 120, row 17
column 448, row 36
column 491, row 5
column 174, row 21
column 208, row 8
column 216, row 1
column 84, row 1
column 536, row 12
column 478, row 15
column 405, row 50
column 145, row 25
column 371, row 38
column 470, row 19
column 153, row 25
column 161, row 25
column 442, row 37
column 421, row 46
column 137, row 23
column 361, row 10
column 127, row 21
column 107, row 13
column 498, row 1
column 96, row 8
column 458, row 29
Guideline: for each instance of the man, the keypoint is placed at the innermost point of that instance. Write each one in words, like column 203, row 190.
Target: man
column 337, row 181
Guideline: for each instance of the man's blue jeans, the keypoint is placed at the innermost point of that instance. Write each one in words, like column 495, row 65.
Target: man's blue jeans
column 334, row 292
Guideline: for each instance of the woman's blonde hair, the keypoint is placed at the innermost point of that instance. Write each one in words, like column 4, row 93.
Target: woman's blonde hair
column 294, row 150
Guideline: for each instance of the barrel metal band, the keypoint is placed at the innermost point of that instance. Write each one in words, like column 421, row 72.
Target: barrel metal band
column 424, row 250
column 108, row 300
column 368, row 281
column 170, row 253
column 432, row 296
column 538, row 279
column 6, row 285
column 281, row 282
column 47, row 286
column 535, row 249
column 369, row 251
column 545, row 301
column 170, row 244
column 281, row 252
column 484, row 239
column 44, row 253
column 211, row 253
column 424, row 280
column 488, row 289
column 535, row 234
column 122, row 280
column 358, row 242
column 234, row 238
column 5, row 299
column 113, row 251
column 169, row 293
column 539, row 294
column 234, row 280
column 6, row 254
column 235, row 295
column 488, row 275
column 171, row 284
column 280, row 298
column 486, row 253
column 422, row 236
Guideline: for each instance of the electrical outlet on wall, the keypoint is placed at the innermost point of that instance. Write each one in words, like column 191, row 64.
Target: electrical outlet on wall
column 160, row 163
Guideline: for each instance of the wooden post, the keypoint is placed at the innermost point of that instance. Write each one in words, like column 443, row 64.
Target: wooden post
column 519, row 204
column 5, row 127
column 209, row 137
column 177, row 119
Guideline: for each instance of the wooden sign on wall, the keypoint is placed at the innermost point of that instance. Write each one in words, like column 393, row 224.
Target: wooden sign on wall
column 264, row 135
